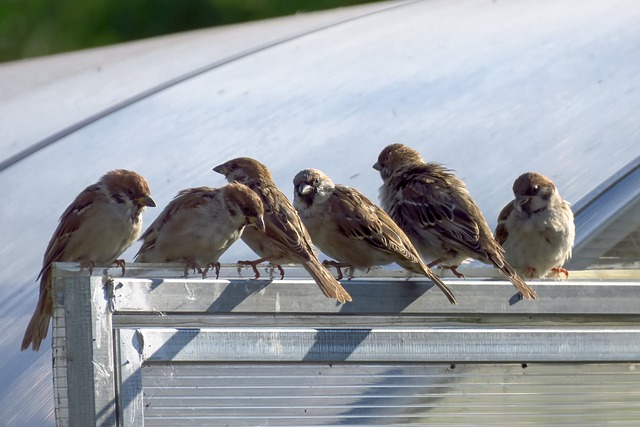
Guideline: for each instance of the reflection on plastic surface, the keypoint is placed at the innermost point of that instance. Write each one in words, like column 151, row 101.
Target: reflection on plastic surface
column 489, row 89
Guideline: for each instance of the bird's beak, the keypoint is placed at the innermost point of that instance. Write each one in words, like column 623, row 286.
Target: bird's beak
column 522, row 200
column 305, row 189
column 377, row 166
column 222, row 169
column 146, row 201
column 257, row 222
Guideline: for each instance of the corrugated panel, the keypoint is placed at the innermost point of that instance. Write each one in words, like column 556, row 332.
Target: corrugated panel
column 391, row 394
column 608, row 218
column 626, row 252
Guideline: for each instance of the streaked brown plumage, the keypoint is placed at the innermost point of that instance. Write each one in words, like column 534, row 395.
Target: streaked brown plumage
column 536, row 229
column 436, row 211
column 100, row 224
column 199, row 225
column 351, row 229
column 285, row 239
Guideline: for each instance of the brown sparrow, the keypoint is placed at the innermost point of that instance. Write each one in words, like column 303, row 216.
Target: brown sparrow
column 199, row 224
column 438, row 214
column 285, row 239
column 100, row 224
column 348, row 227
column 536, row 229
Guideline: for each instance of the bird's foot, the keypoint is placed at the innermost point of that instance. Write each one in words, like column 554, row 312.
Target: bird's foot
column 120, row 263
column 559, row 271
column 213, row 265
column 191, row 265
column 530, row 273
column 88, row 264
column 339, row 266
column 454, row 270
column 252, row 264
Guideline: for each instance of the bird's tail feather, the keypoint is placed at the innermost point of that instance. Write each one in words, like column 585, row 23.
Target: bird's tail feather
column 39, row 324
column 522, row 287
column 329, row 286
column 444, row 288
column 422, row 268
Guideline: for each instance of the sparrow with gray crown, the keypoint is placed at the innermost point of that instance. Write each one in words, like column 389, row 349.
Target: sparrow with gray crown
column 436, row 211
column 352, row 230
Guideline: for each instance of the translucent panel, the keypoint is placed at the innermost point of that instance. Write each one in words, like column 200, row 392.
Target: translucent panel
column 490, row 89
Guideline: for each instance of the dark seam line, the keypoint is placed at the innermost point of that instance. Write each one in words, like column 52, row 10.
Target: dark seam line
column 21, row 155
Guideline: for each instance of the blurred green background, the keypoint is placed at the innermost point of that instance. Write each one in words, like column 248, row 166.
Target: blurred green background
column 31, row 28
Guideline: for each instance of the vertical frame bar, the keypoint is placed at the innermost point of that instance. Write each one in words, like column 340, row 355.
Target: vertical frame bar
column 129, row 359
column 89, row 348
column 59, row 354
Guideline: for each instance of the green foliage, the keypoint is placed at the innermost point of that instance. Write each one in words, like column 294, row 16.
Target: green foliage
column 40, row 27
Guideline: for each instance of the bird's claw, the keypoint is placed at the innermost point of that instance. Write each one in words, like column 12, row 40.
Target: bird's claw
column 252, row 265
column 216, row 267
column 120, row 263
column 193, row 266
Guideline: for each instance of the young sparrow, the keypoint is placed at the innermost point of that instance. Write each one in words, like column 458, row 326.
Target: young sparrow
column 285, row 239
column 199, row 224
column 438, row 214
column 348, row 227
column 100, row 224
column 536, row 229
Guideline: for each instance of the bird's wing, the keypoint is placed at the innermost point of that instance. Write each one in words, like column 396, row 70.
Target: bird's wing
column 185, row 199
column 70, row 221
column 442, row 209
column 359, row 218
column 501, row 229
column 282, row 223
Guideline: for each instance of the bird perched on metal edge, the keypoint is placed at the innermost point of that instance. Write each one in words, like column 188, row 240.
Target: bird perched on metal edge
column 352, row 230
column 98, row 226
column 199, row 225
column 285, row 238
column 436, row 211
column 536, row 229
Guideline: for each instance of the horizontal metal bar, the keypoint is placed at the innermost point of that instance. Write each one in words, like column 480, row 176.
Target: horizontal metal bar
column 199, row 320
column 449, row 345
column 380, row 297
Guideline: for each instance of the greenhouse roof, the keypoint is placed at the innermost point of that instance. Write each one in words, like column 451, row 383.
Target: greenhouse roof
column 490, row 89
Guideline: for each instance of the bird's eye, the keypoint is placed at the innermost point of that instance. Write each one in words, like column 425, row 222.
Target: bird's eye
column 130, row 192
column 233, row 166
column 535, row 189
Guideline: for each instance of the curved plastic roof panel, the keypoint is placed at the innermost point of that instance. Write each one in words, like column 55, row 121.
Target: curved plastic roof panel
column 490, row 89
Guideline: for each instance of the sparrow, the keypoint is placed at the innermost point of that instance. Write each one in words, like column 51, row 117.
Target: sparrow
column 536, row 229
column 285, row 238
column 199, row 225
column 436, row 211
column 98, row 226
column 347, row 226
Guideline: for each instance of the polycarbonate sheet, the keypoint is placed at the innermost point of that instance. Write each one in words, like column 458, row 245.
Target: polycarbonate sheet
column 390, row 394
column 489, row 89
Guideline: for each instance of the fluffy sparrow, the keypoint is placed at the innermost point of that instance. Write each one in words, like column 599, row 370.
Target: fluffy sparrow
column 199, row 224
column 285, row 239
column 100, row 224
column 348, row 227
column 438, row 214
column 536, row 229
